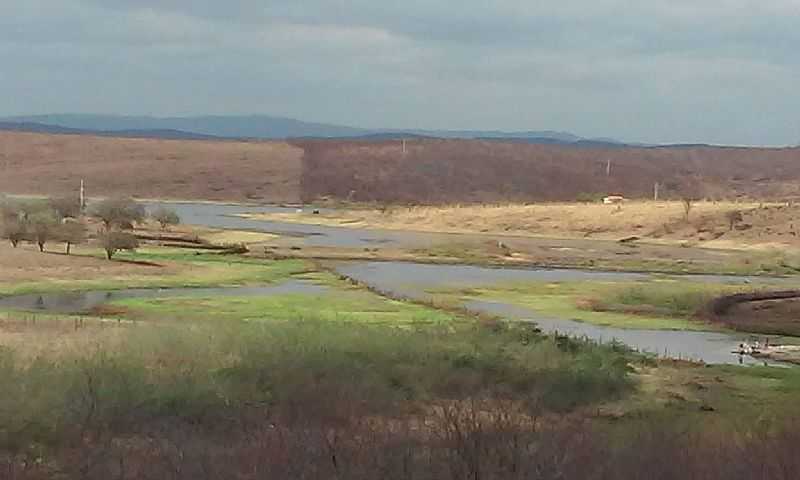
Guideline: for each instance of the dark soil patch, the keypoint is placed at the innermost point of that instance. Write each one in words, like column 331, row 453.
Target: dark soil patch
column 774, row 317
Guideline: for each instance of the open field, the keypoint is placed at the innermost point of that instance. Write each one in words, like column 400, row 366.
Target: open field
column 149, row 168
column 639, row 236
column 24, row 270
column 708, row 221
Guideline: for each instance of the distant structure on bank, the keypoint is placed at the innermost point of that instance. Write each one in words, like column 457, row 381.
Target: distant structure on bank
column 613, row 199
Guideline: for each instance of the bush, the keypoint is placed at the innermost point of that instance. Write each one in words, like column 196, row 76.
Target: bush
column 676, row 300
column 165, row 217
column 71, row 233
column 113, row 241
column 120, row 213
column 42, row 228
column 14, row 230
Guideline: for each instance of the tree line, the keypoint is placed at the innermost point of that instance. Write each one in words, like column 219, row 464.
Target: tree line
column 63, row 220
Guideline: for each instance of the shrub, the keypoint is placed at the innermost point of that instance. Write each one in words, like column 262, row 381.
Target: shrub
column 42, row 228
column 71, row 233
column 113, row 241
column 121, row 213
column 14, row 230
column 165, row 217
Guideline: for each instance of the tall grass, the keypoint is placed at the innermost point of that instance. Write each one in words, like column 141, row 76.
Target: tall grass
column 204, row 371
column 317, row 400
column 675, row 300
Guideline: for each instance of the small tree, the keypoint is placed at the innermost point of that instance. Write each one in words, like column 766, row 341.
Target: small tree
column 112, row 242
column 13, row 230
column 42, row 228
column 9, row 211
column 28, row 209
column 734, row 217
column 66, row 207
column 688, row 203
column 165, row 217
column 119, row 212
column 71, row 233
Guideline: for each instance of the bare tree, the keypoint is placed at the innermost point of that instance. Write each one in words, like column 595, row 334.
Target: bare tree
column 27, row 209
column 733, row 217
column 42, row 228
column 688, row 203
column 9, row 210
column 119, row 212
column 66, row 207
column 71, row 233
column 165, row 217
column 113, row 241
column 13, row 230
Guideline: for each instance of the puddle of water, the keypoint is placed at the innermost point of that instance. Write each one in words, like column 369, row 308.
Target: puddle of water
column 80, row 302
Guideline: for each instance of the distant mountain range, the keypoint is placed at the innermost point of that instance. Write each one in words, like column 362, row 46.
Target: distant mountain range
column 32, row 127
column 263, row 127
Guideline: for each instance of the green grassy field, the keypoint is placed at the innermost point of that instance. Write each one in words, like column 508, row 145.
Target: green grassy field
column 186, row 269
column 336, row 305
column 662, row 304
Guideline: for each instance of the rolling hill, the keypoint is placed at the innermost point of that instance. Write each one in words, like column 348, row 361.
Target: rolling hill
column 251, row 126
column 431, row 171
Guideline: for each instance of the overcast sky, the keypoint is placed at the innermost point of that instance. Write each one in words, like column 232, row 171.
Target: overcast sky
column 724, row 71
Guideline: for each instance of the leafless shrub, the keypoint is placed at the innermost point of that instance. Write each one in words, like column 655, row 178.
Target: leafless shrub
column 113, row 241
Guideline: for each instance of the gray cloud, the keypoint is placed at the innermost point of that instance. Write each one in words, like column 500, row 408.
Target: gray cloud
column 678, row 70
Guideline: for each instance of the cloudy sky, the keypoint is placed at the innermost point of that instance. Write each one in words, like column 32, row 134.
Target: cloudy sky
column 724, row 71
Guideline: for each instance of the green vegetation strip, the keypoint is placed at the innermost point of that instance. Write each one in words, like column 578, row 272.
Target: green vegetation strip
column 338, row 305
column 661, row 304
column 190, row 270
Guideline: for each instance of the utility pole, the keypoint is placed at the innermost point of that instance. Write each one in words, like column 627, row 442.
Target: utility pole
column 83, row 196
column 404, row 146
column 655, row 191
column 608, row 168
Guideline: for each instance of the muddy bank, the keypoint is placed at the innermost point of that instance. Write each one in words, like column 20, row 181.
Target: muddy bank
column 770, row 316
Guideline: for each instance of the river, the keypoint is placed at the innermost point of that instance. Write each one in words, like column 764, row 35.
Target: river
column 414, row 281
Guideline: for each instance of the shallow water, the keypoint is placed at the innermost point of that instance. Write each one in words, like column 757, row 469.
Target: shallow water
column 413, row 280
column 81, row 302
column 224, row 216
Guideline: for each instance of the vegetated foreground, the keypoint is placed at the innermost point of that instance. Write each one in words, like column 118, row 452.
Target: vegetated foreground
column 348, row 384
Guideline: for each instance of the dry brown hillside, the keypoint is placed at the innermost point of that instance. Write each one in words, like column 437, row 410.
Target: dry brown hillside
column 149, row 168
column 450, row 171
column 430, row 172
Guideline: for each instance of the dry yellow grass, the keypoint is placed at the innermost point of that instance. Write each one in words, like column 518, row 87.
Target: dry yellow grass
column 569, row 220
column 31, row 337
column 27, row 264
column 225, row 237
